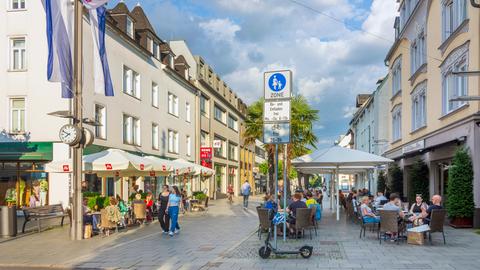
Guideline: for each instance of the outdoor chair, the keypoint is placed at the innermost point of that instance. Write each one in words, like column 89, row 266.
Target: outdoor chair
column 363, row 225
column 436, row 223
column 350, row 212
column 139, row 212
column 388, row 223
column 264, row 219
column 303, row 221
column 105, row 224
column 312, row 218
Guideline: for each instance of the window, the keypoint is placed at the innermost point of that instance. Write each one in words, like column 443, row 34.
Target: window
column 454, row 12
column 172, row 141
column 17, row 115
column 154, row 95
column 131, row 82
column 454, row 86
column 222, row 151
column 397, row 123
column 232, row 122
column 101, row 118
column 17, row 4
column 131, row 130
column 189, row 146
column 220, row 114
column 130, row 27
column 204, row 106
column 18, row 54
column 232, row 151
column 204, row 139
column 150, row 45
column 418, row 53
column 188, row 112
column 397, row 76
column 154, row 136
column 419, row 108
column 156, row 50
column 172, row 104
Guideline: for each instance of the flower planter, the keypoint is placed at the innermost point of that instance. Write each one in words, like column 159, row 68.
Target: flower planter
column 459, row 223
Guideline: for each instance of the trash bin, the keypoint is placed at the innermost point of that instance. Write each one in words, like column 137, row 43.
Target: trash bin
column 8, row 221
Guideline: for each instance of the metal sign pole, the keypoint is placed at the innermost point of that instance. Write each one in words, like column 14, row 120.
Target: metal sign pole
column 276, row 191
column 285, row 192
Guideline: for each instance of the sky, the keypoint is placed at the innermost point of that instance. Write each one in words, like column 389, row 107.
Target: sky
column 335, row 48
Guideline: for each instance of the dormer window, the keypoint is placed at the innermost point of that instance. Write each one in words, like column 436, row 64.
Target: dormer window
column 186, row 74
column 156, row 50
column 171, row 61
column 150, row 45
column 129, row 27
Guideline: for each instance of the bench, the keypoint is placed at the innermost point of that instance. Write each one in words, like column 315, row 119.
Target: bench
column 42, row 213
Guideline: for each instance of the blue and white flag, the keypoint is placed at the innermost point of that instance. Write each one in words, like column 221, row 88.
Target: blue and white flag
column 102, row 79
column 59, row 20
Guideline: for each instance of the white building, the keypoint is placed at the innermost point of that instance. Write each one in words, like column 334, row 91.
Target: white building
column 370, row 129
column 152, row 112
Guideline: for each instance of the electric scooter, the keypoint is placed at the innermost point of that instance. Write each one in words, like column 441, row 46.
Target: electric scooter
column 267, row 249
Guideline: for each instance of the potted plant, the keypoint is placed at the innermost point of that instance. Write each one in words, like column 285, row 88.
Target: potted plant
column 460, row 204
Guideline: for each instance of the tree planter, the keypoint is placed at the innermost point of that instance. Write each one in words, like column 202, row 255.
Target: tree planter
column 459, row 223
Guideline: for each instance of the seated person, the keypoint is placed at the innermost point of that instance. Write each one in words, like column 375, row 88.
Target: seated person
column 417, row 208
column 292, row 209
column 310, row 199
column 380, row 198
column 270, row 203
column 367, row 214
column 393, row 204
column 436, row 204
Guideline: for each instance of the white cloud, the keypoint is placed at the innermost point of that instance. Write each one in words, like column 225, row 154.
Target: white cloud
column 314, row 89
column 349, row 111
column 220, row 29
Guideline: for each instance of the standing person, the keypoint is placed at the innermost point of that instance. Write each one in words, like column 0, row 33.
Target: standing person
column 163, row 216
column 230, row 193
column 149, row 206
column 173, row 206
column 246, row 188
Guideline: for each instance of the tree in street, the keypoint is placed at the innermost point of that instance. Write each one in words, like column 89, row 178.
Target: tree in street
column 302, row 137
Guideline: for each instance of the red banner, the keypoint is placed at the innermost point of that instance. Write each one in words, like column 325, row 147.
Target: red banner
column 206, row 157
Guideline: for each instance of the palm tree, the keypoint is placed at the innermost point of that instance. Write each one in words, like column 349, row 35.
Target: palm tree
column 302, row 137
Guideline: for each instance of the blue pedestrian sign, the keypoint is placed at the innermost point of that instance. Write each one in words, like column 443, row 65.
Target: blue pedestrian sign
column 278, row 84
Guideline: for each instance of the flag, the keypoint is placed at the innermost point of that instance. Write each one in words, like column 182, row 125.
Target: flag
column 59, row 15
column 101, row 71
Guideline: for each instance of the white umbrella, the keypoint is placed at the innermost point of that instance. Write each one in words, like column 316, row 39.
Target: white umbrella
column 161, row 167
column 338, row 158
column 196, row 169
column 114, row 162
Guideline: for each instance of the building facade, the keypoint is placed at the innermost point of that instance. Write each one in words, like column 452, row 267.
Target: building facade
column 434, row 39
column 221, row 116
column 261, row 181
column 152, row 112
column 369, row 127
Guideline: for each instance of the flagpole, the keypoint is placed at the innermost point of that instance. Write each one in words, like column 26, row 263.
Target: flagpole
column 77, row 213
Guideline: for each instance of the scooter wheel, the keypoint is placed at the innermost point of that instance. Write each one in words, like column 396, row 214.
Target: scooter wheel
column 306, row 251
column 264, row 252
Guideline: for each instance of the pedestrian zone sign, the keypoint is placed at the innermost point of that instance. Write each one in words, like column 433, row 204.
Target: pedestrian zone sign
column 278, row 84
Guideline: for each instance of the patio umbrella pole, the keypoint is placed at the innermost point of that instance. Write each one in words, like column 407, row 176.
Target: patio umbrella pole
column 338, row 194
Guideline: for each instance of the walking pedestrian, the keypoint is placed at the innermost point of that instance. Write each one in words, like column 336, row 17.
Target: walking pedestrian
column 173, row 206
column 163, row 216
column 246, row 188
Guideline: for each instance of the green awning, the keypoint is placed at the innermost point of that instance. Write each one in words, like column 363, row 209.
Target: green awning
column 26, row 151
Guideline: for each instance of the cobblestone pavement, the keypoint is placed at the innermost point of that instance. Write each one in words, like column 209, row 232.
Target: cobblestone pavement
column 225, row 238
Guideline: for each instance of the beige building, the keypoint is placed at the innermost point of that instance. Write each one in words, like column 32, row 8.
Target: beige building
column 221, row 116
column 434, row 39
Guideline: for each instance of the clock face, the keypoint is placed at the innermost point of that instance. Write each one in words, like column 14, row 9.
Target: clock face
column 69, row 134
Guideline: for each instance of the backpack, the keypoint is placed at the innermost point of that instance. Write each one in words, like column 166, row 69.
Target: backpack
column 318, row 211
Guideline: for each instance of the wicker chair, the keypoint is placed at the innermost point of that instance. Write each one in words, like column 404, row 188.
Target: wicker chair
column 388, row 223
column 312, row 218
column 303, row 221
column 264, row 218
column 139, row 212
column 363, row 225
column 105, row 224
column 436, row 223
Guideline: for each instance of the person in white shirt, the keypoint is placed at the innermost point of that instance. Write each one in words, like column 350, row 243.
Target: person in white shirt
column 246, row 188
column 379, row 199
